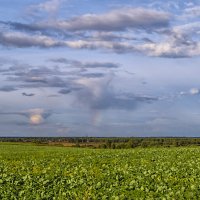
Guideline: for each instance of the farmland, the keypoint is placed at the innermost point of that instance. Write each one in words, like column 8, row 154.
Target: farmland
column 46, row 172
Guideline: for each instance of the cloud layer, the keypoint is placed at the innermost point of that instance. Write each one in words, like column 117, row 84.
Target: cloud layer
column 116, row 31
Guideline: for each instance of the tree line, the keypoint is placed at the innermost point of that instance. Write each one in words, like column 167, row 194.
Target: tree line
column 108, row 143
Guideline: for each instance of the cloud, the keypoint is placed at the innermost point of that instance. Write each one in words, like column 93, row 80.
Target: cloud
column 192, row 12
column 93, row 75
column 194, row 91
column 181, row 41
column 126, row 30
column 8, row 88
column 21, row 40
column 115, row 20
column 91, row 87
column 28, row 94
column 64, row 91
column 177, row 42
column 24, row 40
column 61, row 77
column 81, row 64
column 50, row 7
column 117, row 47
column 38, row 78
column 36, row 116
column 112, row 36
column 172, row 47
column 27, row 76
column 98, row 94
column 53, row 95
column 175, row 46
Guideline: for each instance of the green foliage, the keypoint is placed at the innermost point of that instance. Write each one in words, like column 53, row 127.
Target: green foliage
column 105, row 143
column 36, row 172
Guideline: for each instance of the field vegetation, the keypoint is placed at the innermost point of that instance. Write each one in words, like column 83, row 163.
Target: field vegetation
column 47, row 172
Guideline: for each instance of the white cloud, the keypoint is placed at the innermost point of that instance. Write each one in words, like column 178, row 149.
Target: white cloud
column 173, row 47
column 170, row 49
column 115, row 20
column 194, row 91
column 50, row 6
column 192, row 12
column 19, row 39
column 187, row 29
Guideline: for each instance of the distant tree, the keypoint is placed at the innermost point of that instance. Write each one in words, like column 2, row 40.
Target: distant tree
column 113, row 146
column 108, row 144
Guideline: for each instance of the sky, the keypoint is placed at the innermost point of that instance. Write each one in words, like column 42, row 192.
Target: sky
column 99, row 68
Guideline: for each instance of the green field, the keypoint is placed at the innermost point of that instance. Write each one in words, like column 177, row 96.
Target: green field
column 36, row 172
